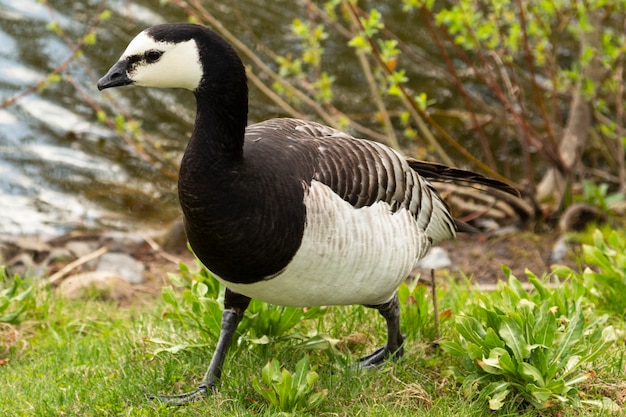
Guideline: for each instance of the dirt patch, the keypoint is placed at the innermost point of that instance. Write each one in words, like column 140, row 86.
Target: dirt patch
column 482, row 258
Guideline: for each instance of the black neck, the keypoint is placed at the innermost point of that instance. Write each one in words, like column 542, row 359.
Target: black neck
column 221, row 119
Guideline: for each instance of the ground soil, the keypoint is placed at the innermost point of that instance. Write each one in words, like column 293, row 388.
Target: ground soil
column 481, row 258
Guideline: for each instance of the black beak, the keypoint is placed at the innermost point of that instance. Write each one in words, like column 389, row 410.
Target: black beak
column 116, row 77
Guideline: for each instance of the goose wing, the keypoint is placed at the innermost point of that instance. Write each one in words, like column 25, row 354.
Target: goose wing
column 363, row 172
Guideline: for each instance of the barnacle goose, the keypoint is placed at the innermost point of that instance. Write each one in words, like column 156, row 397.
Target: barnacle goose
column 287, row 211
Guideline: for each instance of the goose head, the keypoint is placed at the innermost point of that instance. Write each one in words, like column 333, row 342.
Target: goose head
column 174, row 55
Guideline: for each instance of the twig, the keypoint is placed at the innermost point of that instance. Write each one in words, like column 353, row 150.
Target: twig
column 73, row 265
column 155, row 247
column 433, row 287
column 530, row 135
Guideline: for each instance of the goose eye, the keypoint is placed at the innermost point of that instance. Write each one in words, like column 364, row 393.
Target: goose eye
column 153, row 56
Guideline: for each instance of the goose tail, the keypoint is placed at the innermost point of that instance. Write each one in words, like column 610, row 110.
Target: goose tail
column 442, row 173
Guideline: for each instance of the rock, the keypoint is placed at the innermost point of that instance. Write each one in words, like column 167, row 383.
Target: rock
column 102, row 285
column 436, row 258
column 174, row 240
column 79, row 248
column 123, row 265
column 11, row 247
column 559, row 249
column 122, row 242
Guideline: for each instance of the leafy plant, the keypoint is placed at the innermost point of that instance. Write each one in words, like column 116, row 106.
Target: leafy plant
column 528, row 347
column 290, row 391
column 267, row 323
column 605, row 276
column 15, row 300
column 417, row 311
column 199, row 306
column 598, row 195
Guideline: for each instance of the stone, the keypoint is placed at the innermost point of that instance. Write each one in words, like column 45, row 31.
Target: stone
column 102, row 285
column 79, row 248
column 122, row 242
column 123, row 265
column 436, row 258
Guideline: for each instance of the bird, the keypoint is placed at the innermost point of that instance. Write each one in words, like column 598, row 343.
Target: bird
column 288, row 211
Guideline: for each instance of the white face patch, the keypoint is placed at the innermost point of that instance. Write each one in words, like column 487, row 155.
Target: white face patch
column 178, row 67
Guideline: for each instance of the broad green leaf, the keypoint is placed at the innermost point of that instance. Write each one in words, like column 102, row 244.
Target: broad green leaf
column 167, row 293
column 474, row 351
column 531, row 374
column 24, row 294
column 544, row 326
column 285, row 390
column 573, row 333
column 454, row 348
column 507, row 364
column 517, row 287
column 491, row 366
column 10, row 291
column 311, row 378
column 318, row 342
column 512, row 335
column 492, row 340
column 302, row 368
column 540, row 394
column 201, row 289
column 495, row 393
column 470, row 329
column 604, row 404
column 267, row 373
column 497, row 401
column 12, row 317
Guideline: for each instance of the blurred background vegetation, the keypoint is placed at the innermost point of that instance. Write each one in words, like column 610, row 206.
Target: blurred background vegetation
column 530, row 92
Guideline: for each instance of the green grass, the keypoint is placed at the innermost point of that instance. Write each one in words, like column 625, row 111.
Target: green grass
column 92, row 358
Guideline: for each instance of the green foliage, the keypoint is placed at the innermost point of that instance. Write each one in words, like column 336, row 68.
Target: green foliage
column 264, row 324
column 599, row 195
column 198, row 306
column 605, row 276
column 15, row 299
column 80, row 357
column 288, row 391
column 416, row 310
column 535, row 348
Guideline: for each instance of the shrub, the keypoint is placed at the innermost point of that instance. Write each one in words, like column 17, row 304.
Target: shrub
column 517, row 347
column 605, row 276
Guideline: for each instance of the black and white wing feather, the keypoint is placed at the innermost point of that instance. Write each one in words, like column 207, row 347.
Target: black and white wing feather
column 363, row 172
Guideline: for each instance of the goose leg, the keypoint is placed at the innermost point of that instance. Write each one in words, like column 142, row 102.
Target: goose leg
column 234, row 307
column 393, row 348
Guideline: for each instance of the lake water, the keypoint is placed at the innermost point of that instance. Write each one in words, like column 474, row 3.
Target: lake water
column 60, row 169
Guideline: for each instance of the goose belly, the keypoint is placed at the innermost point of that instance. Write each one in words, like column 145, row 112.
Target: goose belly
column 347, row 255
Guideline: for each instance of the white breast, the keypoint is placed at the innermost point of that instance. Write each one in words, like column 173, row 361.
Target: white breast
column 347, row 255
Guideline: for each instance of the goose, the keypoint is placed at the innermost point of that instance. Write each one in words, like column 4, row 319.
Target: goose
column 288, row 211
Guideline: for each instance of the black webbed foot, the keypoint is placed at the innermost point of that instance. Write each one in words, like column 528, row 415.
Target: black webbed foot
column 234, row 307
column 393, row 348
column 379, row 357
